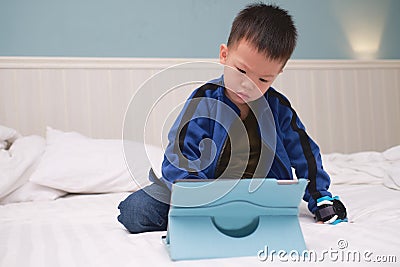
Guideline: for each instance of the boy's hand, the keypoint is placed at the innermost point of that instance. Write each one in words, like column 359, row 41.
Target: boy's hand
column 330, row 210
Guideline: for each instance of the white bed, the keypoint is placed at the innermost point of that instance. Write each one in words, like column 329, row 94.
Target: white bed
column 81, row 228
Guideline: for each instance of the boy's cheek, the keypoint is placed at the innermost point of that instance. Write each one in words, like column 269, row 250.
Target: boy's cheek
column 232, row 78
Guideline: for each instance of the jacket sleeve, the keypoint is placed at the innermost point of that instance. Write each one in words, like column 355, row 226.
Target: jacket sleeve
column 304, row 155
column 190, row 150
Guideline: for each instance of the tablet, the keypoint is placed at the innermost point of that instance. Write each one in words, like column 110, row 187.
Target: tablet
column 229, row 217
column 261, row 191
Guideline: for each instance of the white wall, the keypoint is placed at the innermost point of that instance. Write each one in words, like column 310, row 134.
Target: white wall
column 347, row 106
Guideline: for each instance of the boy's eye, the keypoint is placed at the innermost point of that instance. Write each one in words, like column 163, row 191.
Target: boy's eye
column 242, row 71
column 263, row 80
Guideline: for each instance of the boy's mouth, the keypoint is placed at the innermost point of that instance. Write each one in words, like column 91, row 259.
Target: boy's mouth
column 242, row 95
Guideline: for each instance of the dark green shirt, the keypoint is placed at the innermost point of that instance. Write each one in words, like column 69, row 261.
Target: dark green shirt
column 241, row 159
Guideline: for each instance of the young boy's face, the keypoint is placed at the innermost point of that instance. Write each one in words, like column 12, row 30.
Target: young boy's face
column 248, row 73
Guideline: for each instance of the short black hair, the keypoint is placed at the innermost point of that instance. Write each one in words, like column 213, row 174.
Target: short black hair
column 268, row 27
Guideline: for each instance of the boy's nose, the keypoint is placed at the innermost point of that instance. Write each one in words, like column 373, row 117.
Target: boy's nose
column 247, row 84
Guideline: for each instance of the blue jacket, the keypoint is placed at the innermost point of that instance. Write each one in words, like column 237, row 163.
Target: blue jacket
column 197, row 138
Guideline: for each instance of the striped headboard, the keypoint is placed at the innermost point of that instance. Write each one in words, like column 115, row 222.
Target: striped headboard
column 346, row 105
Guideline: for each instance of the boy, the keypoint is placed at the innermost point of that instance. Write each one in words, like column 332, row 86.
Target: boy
column 207, row 142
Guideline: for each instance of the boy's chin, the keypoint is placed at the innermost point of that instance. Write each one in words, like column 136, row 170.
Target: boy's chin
column 240, row 101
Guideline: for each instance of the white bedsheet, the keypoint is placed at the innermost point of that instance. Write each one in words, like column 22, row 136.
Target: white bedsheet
column 82, row 230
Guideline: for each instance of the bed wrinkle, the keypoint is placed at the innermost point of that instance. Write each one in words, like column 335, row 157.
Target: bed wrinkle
column 392, row 176
column 369, row 167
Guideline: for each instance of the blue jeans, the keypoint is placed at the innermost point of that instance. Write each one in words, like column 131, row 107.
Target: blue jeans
column 140, row 212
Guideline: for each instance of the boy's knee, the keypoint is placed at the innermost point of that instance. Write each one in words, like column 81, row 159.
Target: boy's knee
column 140, row 214
column 129, row 214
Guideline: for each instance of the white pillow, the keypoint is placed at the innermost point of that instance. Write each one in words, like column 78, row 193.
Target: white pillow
column 32, row 192
column 77, row 164
column 16, row 163
column 392, row 153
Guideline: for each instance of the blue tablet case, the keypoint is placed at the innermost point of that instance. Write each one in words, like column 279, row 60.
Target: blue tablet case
column 228, row 218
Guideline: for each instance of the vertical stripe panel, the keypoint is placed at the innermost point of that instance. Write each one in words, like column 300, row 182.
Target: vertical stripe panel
column 346, row 108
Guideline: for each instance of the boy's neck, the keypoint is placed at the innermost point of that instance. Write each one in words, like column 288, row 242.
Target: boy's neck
column 244, row 110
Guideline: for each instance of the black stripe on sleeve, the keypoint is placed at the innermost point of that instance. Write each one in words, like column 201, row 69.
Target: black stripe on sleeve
column 184, row 124
column 305, row 144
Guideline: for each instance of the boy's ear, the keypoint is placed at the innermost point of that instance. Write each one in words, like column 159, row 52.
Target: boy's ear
column 223, row 53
